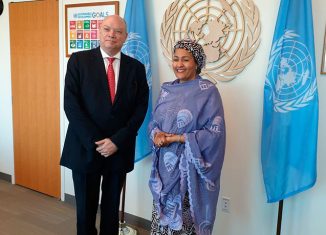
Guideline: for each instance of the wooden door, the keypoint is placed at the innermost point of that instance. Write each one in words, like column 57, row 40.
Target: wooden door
column 34, row 44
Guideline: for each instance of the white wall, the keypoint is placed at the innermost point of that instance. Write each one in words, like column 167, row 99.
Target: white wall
column 6, row 131
column 242, row 98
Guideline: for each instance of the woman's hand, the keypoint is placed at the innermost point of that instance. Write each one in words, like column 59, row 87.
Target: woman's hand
column 175, row 139
column 163, row 139
column 160, row 139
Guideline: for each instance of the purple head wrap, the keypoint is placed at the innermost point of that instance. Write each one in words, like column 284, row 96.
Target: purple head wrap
column 195, row 49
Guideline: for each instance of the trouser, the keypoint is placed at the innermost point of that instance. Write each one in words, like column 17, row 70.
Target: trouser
column 87, row 190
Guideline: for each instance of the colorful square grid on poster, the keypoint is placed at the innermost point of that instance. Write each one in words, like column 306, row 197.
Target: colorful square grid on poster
column 94, row 43
column 94, row 24
column 80, row 34
column 80, row 24
column 84, row 34
column 79, row 44
column 72, row 24
column 87, row 24
column 99, row 22
column 87, row 44
column 73, row 44
column 73, row 34
column 94, row 34
column 87, row 34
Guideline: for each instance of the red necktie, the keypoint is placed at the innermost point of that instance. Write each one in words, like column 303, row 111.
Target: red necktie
column 111, row 78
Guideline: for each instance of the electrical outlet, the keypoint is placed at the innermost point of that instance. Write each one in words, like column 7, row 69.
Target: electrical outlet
column 226, row 204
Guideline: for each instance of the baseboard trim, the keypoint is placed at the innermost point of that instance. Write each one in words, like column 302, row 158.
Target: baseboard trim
column 5, row 177
column 137, row 221
column 130, row 219
column 70, row 199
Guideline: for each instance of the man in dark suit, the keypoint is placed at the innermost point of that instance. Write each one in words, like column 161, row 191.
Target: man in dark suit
column 100, row 140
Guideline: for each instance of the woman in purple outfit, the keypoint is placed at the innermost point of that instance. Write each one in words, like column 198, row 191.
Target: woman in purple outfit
column 188, row 134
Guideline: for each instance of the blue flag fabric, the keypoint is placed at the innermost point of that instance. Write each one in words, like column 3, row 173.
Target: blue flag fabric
column 290, row 117
column 137, row 47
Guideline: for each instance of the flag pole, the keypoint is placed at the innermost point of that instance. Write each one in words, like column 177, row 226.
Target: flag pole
column 122, row 219
column 123, row 228
column 279, row 218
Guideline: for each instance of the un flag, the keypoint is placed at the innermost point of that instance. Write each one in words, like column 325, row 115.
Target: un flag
column 290, row 118
column 136, row 46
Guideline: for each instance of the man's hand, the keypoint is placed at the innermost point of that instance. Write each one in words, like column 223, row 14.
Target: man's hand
column 106, row 147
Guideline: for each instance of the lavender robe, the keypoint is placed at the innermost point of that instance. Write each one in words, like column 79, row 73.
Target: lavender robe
column 193, row 108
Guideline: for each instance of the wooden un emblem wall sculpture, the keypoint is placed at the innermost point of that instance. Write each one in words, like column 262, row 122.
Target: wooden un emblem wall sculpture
column 228, row 30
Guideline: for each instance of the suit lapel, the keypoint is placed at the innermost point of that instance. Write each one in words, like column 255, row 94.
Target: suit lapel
column 123, row 76
column 99, row 64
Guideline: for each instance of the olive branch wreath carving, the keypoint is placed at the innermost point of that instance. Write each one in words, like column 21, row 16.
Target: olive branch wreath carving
column 239, row 61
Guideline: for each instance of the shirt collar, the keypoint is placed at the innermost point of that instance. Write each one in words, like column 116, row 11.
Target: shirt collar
column 105, row 55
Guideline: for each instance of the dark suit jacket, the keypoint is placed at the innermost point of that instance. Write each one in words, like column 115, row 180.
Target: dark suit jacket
column 92, row 117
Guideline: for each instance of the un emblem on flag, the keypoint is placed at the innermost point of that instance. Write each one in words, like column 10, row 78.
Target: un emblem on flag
column 136, row 48
column 290, row 74
column 228, row 30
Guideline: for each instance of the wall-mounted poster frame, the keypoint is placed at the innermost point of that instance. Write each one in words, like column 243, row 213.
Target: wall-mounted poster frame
column 323, row 63
column 82, row 22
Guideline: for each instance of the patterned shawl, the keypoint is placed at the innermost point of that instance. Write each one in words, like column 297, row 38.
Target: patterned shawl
column 193, row 108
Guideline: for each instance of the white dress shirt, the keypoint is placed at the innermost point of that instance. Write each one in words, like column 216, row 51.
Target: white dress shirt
column 116, row 65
